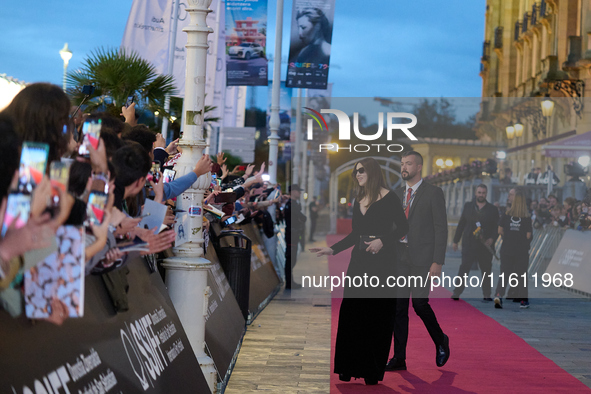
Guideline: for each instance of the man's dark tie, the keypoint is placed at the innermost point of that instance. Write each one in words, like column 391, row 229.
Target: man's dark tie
column 408, row 196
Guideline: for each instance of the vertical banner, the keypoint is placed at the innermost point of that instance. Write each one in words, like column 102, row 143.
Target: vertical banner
column 246, row 43
column 284, row 111
column 215, row 83
column 311, row 38
column 148, row 32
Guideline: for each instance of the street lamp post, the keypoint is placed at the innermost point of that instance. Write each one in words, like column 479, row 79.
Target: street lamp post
column 66, row 55
column 186, row 276
column 274, row 121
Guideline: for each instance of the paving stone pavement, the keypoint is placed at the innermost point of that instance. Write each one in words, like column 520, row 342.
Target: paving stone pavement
column 287, row 348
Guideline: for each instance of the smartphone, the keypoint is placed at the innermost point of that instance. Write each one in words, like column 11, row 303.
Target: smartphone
column 92, row 135
column 229, row 221
column 130, row 100
column 213, row 181
column 154, row 174
column 95, row 209
column 59, row 174
column 32, row 165
column 87, row 90
column 18, row 204
column 168, row 175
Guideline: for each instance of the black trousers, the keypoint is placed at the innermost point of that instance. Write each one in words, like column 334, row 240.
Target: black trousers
column 515, row 264
column 470, row 254
column 312, row 227
column 291, row 256
column 420, row 303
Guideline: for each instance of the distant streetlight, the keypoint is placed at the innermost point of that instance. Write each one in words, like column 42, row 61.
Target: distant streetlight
column 66, row 55
column 518, row 130
column 510, row 132
column 343, row 200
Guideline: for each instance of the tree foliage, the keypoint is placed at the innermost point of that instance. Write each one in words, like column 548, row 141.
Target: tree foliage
column 117, row 74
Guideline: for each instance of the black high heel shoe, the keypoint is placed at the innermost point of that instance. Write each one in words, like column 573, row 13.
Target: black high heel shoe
column 344, row 378
column 371, row 381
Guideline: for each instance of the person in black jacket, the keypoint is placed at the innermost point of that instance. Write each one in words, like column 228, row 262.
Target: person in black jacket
column 478, row 229
column 422, row 254
column 294, row 228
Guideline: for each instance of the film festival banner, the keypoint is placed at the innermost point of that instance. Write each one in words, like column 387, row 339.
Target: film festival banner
column 311, row 38
column 284, row 110
column 144, row 349
column 148, row 32
column 571, row 260
column 246, row 43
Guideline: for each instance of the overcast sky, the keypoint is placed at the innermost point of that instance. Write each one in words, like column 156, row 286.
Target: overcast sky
column 389, row 48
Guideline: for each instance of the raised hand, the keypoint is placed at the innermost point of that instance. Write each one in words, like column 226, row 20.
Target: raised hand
column 220, row 158
column 203, row 166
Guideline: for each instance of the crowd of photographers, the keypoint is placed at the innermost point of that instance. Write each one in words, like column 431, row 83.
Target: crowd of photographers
column 109, row 180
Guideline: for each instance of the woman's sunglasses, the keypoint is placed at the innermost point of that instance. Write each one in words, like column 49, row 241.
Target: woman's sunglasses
column 358, row 171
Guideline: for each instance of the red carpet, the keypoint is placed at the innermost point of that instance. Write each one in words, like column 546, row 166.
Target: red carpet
column 485, row 356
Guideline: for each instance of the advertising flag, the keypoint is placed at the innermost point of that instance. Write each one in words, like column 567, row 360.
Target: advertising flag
column 311, row 38
column 148, row 32
column 246, row 43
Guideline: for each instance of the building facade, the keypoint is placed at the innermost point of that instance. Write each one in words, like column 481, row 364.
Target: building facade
column 535, row 54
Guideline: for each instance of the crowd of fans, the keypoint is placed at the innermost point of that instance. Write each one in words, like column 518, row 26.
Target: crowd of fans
column 549, row 211
column 127, row 167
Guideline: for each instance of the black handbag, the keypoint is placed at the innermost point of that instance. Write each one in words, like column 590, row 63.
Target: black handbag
column 366, row 238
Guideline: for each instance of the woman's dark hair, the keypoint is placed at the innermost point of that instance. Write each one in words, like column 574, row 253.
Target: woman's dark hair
column 39, row 112
column 9, row 151
column 79, row 174
column 108, row 121
column 111, row 141
column 375, row 180
column 143, row 136
column 316, row 17
column 131, row 162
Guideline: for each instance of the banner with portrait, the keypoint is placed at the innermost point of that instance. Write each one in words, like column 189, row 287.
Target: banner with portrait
column 246, row 43
column 310, row 45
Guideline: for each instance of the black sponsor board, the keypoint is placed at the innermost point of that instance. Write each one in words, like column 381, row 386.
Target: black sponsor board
column 225, row 326
column 142, row 350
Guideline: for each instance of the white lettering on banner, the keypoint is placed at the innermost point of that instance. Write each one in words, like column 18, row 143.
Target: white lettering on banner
column 144, row 347
column 57, row 380
column 167, row 332
column 175, row 350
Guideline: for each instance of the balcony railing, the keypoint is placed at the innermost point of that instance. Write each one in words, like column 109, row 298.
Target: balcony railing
column 485, row 51
column 498, row 37
column 517, row 30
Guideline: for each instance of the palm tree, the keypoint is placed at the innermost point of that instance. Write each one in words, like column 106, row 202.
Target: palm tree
column 117, row 74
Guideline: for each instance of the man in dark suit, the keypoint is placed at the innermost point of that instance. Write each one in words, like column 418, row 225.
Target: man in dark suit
column 422, row 253
column 481, row 217
column 294, row 228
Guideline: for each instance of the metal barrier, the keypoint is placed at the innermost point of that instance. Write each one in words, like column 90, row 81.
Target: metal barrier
column 544, row 243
